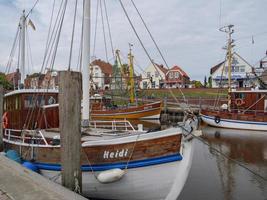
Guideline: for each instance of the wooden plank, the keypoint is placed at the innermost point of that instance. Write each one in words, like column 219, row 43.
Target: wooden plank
column 70, row 94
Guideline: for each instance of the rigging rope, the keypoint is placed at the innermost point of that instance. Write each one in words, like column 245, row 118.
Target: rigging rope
column 104, row 32
column 109, row 29
column 96, row 19
column 151, row 60
column 73, row 32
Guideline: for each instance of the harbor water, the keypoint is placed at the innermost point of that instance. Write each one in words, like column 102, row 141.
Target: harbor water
column 213, row 176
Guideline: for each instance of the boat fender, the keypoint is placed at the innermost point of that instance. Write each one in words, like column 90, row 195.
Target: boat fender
column 239, row 102
column 31, row 166
column 5, row 120
column 217, row 119
column 110, row 176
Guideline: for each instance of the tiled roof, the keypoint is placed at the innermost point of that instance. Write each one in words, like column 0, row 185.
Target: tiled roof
column 105, row 67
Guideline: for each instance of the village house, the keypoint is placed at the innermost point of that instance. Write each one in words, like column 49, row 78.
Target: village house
column 242, row 74
column 101, row 74
column 49, row 80
column 153, row 76
column 13, row 78
column 176, row 77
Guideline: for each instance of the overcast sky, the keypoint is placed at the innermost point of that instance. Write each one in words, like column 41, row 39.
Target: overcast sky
column 186, row 31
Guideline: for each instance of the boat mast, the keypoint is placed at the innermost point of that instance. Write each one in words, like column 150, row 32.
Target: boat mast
column 229, row 30
column 86, row 62
column 131, row 75
column 22, row 47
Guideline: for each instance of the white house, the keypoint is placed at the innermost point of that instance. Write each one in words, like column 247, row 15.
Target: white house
column 101, row 74
column 153, row 76
column 242, row 73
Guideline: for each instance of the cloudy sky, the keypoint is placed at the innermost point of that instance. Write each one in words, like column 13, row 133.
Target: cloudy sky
column 186, row 31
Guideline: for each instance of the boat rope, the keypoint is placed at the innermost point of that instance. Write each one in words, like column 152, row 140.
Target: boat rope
column 223, row 154
column 148, row 55
column 255, row 103
column 13, row 50
column 77, row 188
column 73, row 32
column 155, row 43
column 128, row 161
column 109, row 29
column 32, row 8
column 103, row 28
column 96, row 23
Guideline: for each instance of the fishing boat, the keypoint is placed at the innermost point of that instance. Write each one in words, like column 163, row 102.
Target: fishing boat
column 117, row 163
column 104, row 109
column 246, row 109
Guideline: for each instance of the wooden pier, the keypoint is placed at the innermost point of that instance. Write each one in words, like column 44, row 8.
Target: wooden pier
column 19, row 183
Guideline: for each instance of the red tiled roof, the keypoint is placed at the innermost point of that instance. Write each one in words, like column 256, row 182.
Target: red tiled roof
column 182, row 72
column 105, row 67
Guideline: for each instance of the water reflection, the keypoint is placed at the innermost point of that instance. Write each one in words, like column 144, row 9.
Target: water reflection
column 231, row 180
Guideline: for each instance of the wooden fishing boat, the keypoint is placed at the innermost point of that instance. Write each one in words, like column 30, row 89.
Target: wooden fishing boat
column 145, row 111
column 245, row 109
column 117, row 163
column 248, row 110
column 140, row 155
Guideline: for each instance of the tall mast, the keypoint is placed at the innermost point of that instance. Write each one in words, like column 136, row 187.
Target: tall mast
column 229, row 30
column 86, row 62
column 131, row 77
column 22, row 47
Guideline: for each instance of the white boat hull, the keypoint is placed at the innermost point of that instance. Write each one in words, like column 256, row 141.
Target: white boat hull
column 234, row 124
column 162, row 181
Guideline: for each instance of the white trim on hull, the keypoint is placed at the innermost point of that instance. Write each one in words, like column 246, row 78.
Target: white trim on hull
column 235, row 124
column 151, row 117
column 156, row 182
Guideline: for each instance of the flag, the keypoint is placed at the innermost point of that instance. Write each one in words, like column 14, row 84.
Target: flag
column 31, row 24
column 252, row 39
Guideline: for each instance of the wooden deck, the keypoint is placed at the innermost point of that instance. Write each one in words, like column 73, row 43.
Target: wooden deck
column 19, row 183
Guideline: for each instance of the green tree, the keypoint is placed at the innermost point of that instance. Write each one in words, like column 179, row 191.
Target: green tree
column 210, row 82
column 205, row 82
column 4, row 82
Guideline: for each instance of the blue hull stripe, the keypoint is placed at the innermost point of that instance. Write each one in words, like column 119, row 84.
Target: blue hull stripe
column 237, row 121
column 103, row 167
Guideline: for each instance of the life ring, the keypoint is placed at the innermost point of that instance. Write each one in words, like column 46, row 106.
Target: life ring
column 217, row 119
column 239, row 102
column 5, row 120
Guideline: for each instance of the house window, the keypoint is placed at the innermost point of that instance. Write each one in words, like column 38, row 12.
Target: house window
column 153, row 84
column 145, row 85
column 148, row 74
column 176, row 74
column 96, row 75
column 156, row 74
column 171, row 75
column 242, row 68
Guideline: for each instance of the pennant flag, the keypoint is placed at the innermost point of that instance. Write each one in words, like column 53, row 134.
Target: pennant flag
column 31, row 24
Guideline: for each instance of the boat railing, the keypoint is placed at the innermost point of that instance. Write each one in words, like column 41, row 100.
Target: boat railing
column 115, row 125
column 244, row 111
column 22, row 136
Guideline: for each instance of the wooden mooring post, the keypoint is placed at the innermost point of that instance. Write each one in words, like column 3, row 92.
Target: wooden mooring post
column 70, row 93
column 1, row 114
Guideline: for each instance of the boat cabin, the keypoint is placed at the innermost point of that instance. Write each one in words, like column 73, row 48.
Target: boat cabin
column 26, row 109
column 249, row 100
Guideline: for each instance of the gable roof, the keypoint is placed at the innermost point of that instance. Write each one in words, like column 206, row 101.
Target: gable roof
column 216, row 67
column 177, row 68
column 105, row 67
